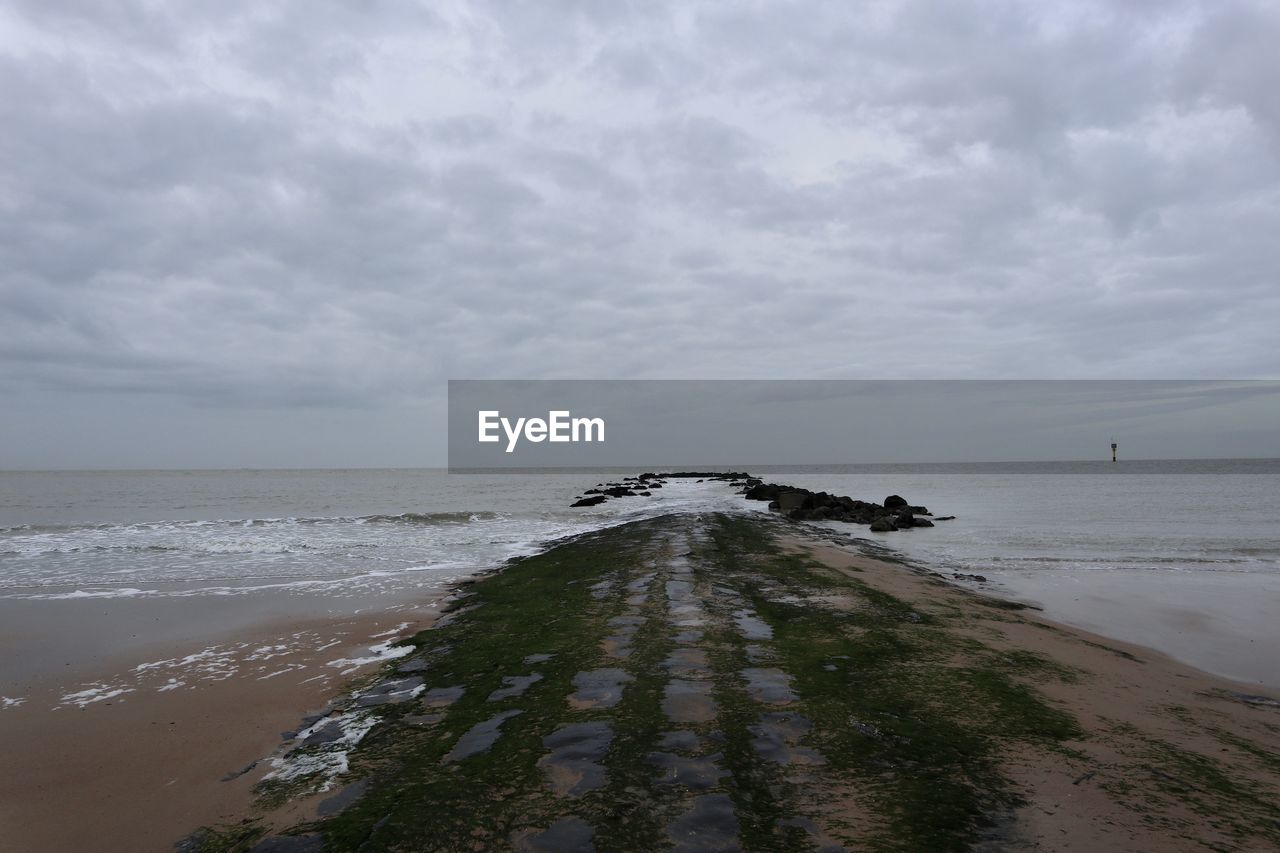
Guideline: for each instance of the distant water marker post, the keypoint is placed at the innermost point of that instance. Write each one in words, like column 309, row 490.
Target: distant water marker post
column 1113, row 451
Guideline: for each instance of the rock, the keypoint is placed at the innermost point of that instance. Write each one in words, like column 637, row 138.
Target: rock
column 619, row 492
column 903, row 520
column 894, row 502
column 342, row 800
column 945, row 518
column 762, row 492
column 882, row 525
column 921, row 522
column 788, row 501
column 591, row 501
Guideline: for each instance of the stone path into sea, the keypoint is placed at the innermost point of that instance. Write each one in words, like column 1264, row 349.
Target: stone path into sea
column 685, row 716
column 675, row 606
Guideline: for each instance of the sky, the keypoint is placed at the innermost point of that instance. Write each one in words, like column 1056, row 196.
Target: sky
column 242, row 234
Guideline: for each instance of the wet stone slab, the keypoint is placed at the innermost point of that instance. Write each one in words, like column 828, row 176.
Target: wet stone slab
column 598, row 688
column 759, row 654
column 515, row 686
column 679, row 590
column 641, row 583
column 567, row 835
column 695, row 773
column 709, row 826
column 331, row 731
column 688, row 636
column 768, row 685
column 688, row 663
column 530, row 660
column 681, row 741
column 751, row 626
column 390, row 692
column 776, row 739
column 688, row 616
column 413, row 665
column 573, row 766
column 688, row 701
column 342, row 800
column 442, row 697
column 480, row 737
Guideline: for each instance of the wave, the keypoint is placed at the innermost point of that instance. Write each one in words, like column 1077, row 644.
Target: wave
column 452, row 517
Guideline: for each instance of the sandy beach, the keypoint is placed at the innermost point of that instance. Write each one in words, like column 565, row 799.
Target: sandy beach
column 130, row 751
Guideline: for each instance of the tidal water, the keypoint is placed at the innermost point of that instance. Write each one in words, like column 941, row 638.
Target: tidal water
column 144, row 533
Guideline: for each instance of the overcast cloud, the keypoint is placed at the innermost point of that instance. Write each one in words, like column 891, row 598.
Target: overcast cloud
column 238, row 233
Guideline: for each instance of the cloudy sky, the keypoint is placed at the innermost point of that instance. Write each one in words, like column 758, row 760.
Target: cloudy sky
column 243, row 233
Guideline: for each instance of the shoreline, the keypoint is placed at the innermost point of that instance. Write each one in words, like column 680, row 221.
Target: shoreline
column 709, row 647
column 1221, row 622
column 163, row 741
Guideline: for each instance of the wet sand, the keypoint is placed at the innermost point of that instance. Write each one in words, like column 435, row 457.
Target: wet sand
column 1149, row 720
column 1221, row 622
column 89, row 768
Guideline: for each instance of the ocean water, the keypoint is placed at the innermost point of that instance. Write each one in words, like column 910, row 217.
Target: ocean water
column 1024, row 518
column 106, row 534
column 78, row 534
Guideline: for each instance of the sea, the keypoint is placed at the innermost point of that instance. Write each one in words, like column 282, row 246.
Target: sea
column 1030, row 528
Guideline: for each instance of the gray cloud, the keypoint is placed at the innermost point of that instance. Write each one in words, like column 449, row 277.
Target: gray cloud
column 320, row 206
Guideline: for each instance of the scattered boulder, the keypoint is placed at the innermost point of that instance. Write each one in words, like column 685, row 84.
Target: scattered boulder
column 790, row 501
column 794, row 502
column 763, row 492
